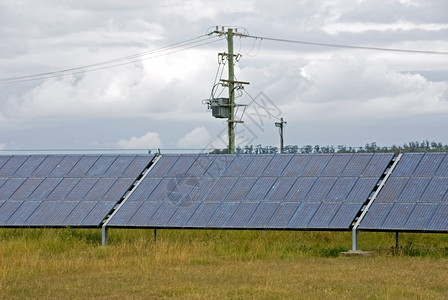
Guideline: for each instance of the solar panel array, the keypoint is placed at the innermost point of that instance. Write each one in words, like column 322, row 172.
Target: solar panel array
column 414, row 198
column 283, row 191
column 64, row 190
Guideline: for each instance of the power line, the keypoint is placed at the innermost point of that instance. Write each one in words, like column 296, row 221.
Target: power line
column 177, row 47
column 347, row 46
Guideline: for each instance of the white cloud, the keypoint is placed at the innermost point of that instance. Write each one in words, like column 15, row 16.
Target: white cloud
column 150, row 140
column 198, row 138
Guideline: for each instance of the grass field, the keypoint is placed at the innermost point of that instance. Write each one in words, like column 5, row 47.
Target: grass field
column 71, row 264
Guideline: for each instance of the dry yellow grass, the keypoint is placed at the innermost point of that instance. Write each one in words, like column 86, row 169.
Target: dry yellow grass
column 70, row 264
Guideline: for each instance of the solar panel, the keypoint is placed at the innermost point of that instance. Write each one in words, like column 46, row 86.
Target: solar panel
column 263, row 191
column 262, row 215
column 29, row 166
column 65, row 190
column 416, row 193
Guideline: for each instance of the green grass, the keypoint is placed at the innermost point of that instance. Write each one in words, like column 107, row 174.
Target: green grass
column 204, row 264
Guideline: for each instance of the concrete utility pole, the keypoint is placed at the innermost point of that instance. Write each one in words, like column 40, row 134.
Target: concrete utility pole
column 230, row 123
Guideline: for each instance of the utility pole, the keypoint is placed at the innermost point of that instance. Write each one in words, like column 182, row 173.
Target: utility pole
column 227, row 109
column 230, row 123
column 281, row 124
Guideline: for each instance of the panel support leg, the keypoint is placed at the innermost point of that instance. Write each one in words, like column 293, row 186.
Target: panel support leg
column 155, row 234
column 397, row 240
column 104, row 235
column 355, row 245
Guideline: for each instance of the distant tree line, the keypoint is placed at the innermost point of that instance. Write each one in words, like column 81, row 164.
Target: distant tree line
column 424, row 146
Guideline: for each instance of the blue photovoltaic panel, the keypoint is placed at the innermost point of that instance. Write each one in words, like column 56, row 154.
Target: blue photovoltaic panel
column 98, row 213
column 26, row 189
column 262, row 215
column 398, row 215
column 47, row 166
column 325, row 214
column 429, row 164
column 219, row 166
column 10, row 187
column 260, row 189
column 7, row 209
column 336, row 165
column 436, row 190
column 143, row 194
column 257, row 165
column 81, row 189
column 320, row 189
column 392, row 189
column 28, row 167
column 303, row 215
column 376, row 215
column 421, row 215
column 357, row 164
column 316, row 164
column 163, row 214
column 65, row 166
column 125, row 214
column 79, row 212
column 65, row 190
column 23, row 212
column 82, row 166
column 143, row 213
column 182, row 215
column 346, row 213
column 439, row 221
column 341, row 189
column 363, row 187
column 443, row 167
column 12, row 164
column 101, row 165
column 377, row 165
column 293, row 191
column 61, row 211
column 222, row 214
column 280, row 189
column 283, row 214
column 182, row 165
column 277, row 164
column 239, row 165
column 200, row 165
column 416, row 191
column 45, row 188
column 221, row 188
column 163, row 165
column 300, row 189
column 202, row 214
column 240, row 189
column 242, row 215
column 296, row 166
column 137, row 166
column 408, row 163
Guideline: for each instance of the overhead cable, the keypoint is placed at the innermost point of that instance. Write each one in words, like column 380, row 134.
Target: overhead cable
column 348, row 46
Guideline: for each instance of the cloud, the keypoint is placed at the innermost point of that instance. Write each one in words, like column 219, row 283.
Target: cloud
column 150, row 140
column 198, row 138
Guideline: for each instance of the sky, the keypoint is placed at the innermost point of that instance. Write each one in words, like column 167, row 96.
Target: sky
column 327, row 95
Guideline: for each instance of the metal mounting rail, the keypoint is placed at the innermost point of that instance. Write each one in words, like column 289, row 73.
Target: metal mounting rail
column 104, row 229
column 355, row 240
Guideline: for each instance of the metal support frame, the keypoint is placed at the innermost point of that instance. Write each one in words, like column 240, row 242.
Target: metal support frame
column 104, row 229
column 355, row 237
column 397, row 239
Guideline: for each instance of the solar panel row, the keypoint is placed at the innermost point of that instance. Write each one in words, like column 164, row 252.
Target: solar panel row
column 414, row 198
column 234, row 191
column 64, row 190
